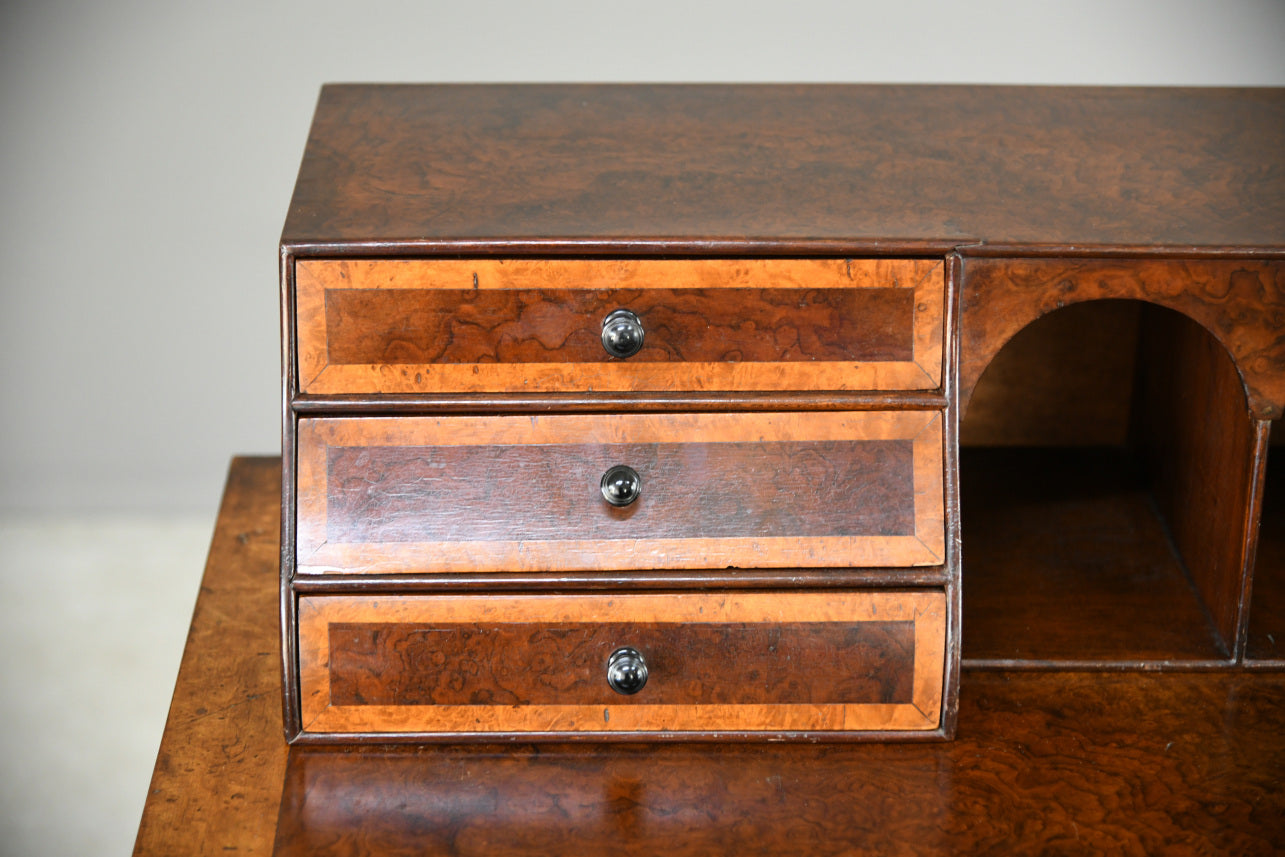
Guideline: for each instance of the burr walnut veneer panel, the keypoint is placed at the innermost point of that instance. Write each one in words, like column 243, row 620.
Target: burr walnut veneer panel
column 798, row 256
column 646, row 165
column 1045, row 762
column 534, row 325
column 799, row 662
column 1240, row 302
column 434, row 494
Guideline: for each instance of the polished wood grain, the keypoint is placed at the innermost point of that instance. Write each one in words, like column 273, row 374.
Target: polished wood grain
column 522, row 493
column 610, row 403
column 1066, row 379
column 666, row 169
column 217, row 781
column 692, row 663
column 1045, row 764
column 1194, row 428
column 884, row 677
column 1240, row 302
column 449, row 494
column 1067, row 563
column 1266, row 641
column 534, row 326
column 1177, row 401
column 1129, row 763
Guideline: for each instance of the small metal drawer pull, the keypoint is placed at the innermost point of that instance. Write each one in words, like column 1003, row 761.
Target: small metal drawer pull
column 626, row 671
column 621, row 485
column 622, row 333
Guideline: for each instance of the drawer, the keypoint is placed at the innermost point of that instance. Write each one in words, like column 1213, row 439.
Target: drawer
column 536, row 326
column 748, row 662
column 741, row 490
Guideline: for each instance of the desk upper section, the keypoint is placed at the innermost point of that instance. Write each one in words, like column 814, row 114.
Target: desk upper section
column 664, row 168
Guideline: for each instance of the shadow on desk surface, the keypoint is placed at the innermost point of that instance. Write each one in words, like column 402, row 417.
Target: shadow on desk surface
column 1117, row 763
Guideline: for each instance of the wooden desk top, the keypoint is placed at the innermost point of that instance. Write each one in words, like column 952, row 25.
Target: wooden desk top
column 792, row 168
column 1121, row 763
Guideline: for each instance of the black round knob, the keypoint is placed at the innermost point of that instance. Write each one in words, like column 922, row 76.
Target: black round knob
column 621, row 485
column 622, row 333
column 626, row 671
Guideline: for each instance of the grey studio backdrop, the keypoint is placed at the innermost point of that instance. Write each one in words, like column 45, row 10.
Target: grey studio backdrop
column 149, row 150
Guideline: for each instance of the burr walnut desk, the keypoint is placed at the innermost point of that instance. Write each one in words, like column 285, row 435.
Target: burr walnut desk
column 1122, row 762
column 634, row 411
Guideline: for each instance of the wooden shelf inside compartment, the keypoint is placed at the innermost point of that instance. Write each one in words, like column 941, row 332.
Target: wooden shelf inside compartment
column 1066, row 559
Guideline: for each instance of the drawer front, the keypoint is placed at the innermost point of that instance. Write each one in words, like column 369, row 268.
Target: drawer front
column 451, row 326
column 800, row 662
column 779, row 490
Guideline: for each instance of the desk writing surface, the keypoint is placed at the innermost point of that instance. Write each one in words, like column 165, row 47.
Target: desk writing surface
column 217, row 781
column 1116, row 762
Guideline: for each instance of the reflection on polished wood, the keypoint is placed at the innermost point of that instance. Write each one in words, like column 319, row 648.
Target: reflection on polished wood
column 463, row 494
column 1119, row 763
column 723, row 663
column 1051, row 763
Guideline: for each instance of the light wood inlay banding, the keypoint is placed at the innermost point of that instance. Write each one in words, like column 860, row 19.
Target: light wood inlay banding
column 872, row 480
column 925, row 609
column 532, row 326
